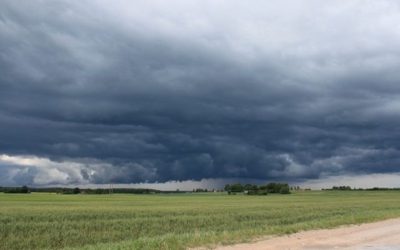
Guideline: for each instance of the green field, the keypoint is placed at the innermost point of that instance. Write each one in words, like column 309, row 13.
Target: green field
column 52, row 221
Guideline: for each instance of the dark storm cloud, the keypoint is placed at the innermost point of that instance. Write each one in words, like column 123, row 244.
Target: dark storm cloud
column 94, row 93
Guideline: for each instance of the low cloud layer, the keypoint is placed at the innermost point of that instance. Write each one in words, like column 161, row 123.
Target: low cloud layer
column 95, row 92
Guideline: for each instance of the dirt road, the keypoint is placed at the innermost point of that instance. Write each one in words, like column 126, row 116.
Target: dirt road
column 383, row 235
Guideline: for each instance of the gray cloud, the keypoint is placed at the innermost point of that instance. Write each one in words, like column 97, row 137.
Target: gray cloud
column 187, row 90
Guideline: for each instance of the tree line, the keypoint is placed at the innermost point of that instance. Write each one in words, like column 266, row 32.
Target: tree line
column 348, row 188
column 15, row 190
column 77, row 190
column 251, row 189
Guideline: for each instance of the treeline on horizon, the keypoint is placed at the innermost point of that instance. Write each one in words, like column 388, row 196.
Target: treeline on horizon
column 250, row 189
column 61, row 190
column 348, row 188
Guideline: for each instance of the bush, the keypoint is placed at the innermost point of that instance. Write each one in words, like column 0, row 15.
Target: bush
column 257, row 192
column 284, row 190
column 234, row 188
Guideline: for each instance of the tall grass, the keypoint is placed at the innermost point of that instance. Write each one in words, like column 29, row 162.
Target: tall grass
column 50, row 221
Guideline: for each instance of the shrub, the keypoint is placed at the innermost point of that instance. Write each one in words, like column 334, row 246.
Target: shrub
column 284, row 190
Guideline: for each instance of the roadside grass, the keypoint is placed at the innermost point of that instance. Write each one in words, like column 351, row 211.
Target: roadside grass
column 51, row 221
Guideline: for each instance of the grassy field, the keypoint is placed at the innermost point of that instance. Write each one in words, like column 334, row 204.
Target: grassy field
column 51, row 221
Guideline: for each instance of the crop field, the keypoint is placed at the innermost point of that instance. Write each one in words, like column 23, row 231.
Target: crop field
column 178, row 221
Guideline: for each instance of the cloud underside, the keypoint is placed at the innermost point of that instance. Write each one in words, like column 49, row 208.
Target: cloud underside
column 189, row 90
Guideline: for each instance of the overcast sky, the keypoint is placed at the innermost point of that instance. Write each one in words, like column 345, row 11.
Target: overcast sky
column 96, row 92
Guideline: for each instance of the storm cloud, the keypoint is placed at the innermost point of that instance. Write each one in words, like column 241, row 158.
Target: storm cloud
column 94, row 92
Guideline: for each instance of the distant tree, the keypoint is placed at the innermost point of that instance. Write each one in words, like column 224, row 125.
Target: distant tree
column 248, row 187
column 341, row 188
column 277, row 188
column 284, row 190
column 76, row 191
column 200, row 190
column 24, row 189
column 237, row 188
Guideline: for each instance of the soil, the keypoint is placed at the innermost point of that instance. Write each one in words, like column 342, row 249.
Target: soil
column 383, row 235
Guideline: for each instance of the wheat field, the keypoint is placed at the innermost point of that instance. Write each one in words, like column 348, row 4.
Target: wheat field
column 178, row 221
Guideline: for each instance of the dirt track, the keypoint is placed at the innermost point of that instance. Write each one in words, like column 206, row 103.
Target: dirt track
column 383, row 235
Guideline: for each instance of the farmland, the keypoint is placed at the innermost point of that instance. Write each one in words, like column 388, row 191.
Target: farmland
column 177, row 221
